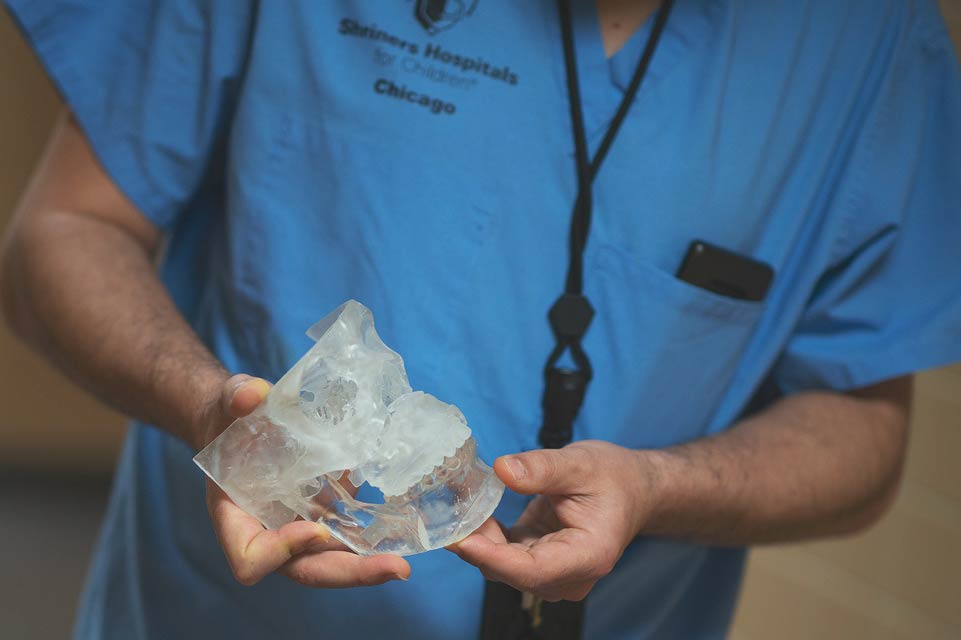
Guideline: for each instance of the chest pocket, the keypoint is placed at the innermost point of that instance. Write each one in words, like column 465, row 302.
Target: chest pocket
column 666, row 351
column 327, row 209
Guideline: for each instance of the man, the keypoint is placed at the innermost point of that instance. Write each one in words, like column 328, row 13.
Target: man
column 279, row 158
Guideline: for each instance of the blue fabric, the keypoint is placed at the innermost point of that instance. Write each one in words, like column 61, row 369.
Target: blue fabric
column 297, row 161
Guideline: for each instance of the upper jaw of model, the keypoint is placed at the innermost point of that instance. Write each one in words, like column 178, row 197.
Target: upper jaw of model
column 347, row 408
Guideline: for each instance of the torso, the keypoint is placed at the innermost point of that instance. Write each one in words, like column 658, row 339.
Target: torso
column 449, row 219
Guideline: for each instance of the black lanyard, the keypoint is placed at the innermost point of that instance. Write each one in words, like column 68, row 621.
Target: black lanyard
column 571, row 314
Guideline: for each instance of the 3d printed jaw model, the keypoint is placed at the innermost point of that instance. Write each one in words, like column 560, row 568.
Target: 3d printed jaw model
column 344, row 415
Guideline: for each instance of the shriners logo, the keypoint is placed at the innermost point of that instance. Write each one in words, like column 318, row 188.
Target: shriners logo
column 440, row 15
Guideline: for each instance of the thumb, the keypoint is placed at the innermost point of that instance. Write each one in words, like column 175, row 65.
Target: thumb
column 545, row 471
column 242, row 394
column 238, row 396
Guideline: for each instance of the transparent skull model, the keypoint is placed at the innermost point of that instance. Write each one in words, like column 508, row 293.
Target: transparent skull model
column 346, row 408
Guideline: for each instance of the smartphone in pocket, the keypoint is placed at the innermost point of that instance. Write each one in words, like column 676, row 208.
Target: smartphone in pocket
column 724, row 272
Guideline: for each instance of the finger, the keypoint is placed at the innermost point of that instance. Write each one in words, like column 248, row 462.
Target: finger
column 490, row 529
column 534, row 568
column 242, row 394
column 572, row 591
column 343, row 569
column 547, row 471
column 251, row 550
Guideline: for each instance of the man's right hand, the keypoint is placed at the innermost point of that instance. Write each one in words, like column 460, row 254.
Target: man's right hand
column 301, row 550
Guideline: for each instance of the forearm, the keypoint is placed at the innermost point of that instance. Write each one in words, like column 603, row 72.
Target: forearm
column 85, row 293
column 812, row 464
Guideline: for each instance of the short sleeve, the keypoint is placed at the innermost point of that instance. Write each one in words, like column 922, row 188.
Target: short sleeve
column 151, row 83
column 891, row 303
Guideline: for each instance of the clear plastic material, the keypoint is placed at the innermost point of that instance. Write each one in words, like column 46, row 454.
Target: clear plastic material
column 344, row 415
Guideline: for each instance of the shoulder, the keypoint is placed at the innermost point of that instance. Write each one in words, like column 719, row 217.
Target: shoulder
column 840, row 55
column 839, row 26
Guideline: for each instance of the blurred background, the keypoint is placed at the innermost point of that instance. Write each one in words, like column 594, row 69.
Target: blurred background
column 901, row 580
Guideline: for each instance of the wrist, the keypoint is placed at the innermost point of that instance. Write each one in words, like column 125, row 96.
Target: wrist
column 659, row 472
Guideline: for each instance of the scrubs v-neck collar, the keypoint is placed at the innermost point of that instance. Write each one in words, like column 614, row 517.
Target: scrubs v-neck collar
column 603, row 80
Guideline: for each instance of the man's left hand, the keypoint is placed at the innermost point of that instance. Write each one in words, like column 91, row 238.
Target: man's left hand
column 592, row 500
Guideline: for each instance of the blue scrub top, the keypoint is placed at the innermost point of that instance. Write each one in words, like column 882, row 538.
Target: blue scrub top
column 302, row 153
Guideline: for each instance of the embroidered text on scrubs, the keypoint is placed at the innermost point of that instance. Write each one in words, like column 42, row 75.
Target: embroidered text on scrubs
column 350, row 27
column 436, row 106
column 470, row 63
column 466, row 63
column 410, row 64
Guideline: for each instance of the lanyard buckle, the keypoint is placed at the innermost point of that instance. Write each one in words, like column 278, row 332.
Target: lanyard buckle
column 570, row 316
column 562, row 400
column 564, row 388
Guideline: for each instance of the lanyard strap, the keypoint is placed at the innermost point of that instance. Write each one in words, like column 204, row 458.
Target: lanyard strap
column 571, row 314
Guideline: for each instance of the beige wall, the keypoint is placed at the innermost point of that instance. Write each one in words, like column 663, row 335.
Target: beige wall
column 45, row 422
column 900, row 580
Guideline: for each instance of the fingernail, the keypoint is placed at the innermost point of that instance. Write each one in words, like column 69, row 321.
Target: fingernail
column 400, row 577
column 261, row 385
column 322, row 537
column 516, row 467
